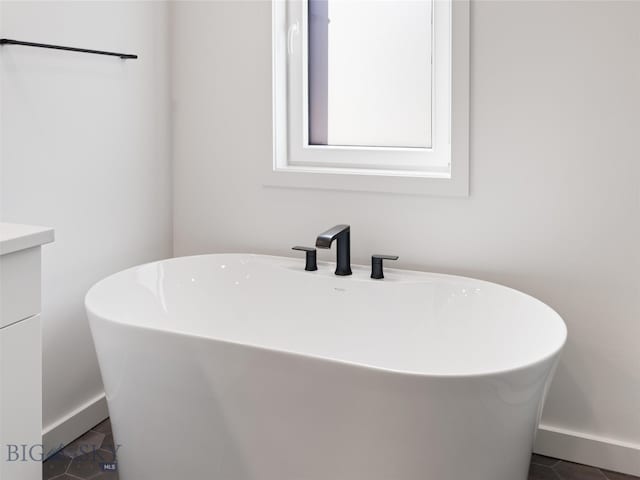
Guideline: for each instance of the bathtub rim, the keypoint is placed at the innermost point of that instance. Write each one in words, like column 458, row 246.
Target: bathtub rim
column 555, row 352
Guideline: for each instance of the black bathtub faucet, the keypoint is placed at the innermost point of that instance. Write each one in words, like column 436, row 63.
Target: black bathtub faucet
column 341, row 233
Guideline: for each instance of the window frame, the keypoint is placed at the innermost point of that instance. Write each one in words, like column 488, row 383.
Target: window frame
column 386, row 169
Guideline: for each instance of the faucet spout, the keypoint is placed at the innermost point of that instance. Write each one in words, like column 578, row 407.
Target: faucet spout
column 325, row 239
column 341, row 233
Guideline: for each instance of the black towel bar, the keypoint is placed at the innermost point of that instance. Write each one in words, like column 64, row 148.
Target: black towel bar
column 7, row 41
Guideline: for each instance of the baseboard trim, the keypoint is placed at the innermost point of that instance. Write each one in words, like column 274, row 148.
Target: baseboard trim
column 77, row 422
column 588, row 449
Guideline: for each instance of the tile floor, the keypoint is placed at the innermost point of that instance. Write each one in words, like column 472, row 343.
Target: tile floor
column 545, row 468
column 90, row 457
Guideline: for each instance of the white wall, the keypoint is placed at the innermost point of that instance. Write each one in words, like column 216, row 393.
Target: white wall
column 86, row 150
column 555, row 184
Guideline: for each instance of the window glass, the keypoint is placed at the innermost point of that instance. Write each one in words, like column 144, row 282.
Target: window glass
column 370, row 73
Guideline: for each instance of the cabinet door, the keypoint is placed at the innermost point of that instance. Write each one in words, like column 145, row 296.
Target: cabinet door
column 21, row 400
column 19, row 285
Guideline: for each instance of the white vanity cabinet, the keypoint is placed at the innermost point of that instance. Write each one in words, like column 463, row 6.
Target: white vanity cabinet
column 21, row 351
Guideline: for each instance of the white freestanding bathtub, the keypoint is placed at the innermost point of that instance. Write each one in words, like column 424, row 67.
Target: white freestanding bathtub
column 247, row 367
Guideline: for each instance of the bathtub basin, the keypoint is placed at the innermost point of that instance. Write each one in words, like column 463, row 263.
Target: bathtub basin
column 247, row 367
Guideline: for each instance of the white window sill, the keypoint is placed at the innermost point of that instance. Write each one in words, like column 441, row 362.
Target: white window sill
column 384, row 181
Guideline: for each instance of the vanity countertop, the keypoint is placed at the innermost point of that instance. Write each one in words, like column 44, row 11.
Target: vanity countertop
column 14, row 237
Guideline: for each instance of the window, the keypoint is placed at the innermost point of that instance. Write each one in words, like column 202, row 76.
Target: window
column 371, row 95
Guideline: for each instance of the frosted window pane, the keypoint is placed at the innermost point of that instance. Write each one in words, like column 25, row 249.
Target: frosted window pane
column 370, row 73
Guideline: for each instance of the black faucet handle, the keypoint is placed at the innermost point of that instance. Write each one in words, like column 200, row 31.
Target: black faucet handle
column 311, row 258
column 376, row 264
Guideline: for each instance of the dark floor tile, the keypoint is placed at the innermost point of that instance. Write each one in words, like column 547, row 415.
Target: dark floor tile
column 86, row 443
column 574, row 471
column 541, row 472
column 106, row 476
column 56, row 465
column 618, row 476
column 542, row 460
column 65, row 477
column 87, row 465
column 108, row 442
column 103, row 427
column 109, row 454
